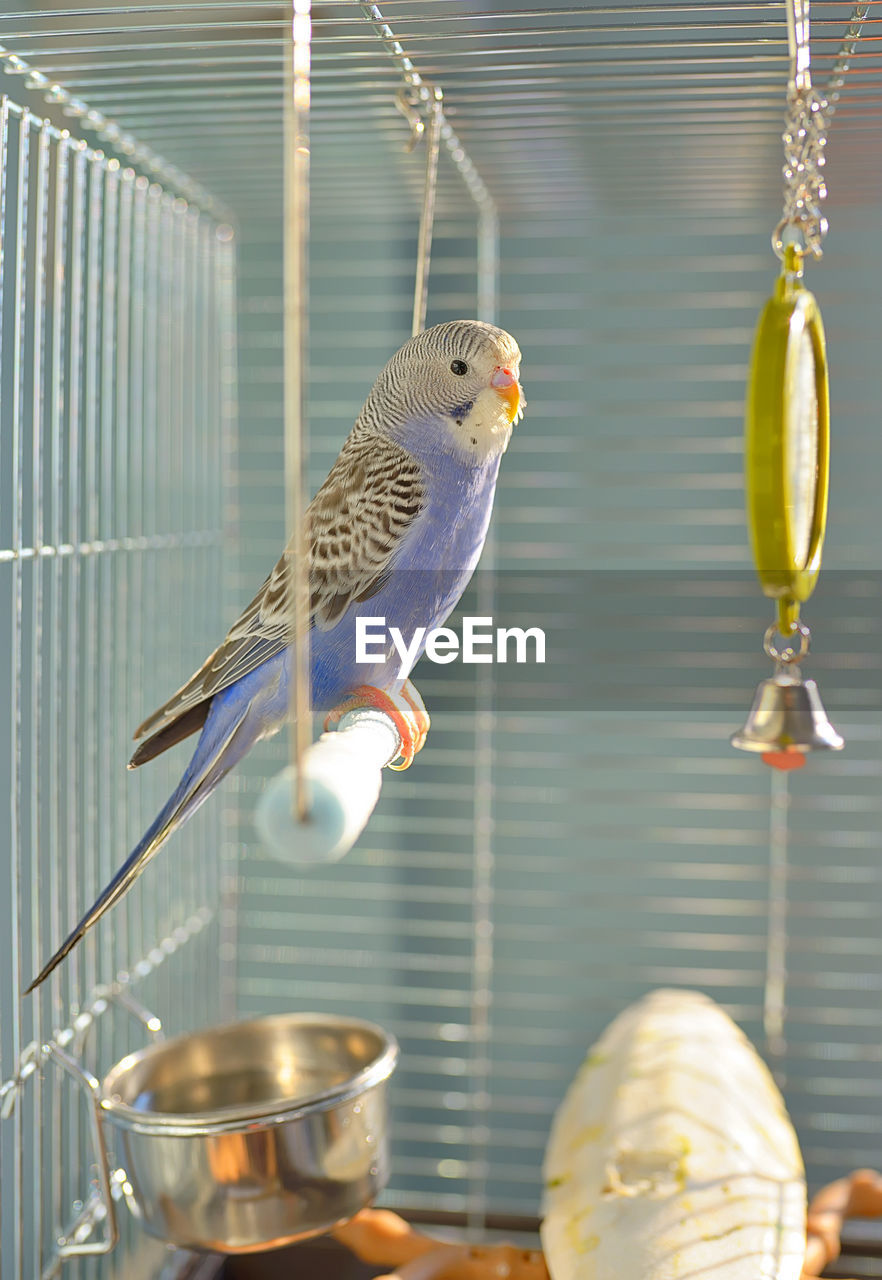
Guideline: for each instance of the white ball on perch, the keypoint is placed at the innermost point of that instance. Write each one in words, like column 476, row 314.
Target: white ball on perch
column 344, row 773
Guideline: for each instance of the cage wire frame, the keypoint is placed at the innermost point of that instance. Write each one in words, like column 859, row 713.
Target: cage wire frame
column 117, row 348
column 91, row 232
column 483, row 876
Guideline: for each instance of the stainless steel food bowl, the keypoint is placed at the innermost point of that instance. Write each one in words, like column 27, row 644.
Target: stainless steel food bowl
column 254, row 1135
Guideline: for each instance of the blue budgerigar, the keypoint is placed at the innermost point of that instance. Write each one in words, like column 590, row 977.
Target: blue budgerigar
column 395, row 532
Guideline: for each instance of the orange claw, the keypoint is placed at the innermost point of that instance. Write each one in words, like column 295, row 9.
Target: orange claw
column 405, row 709
column 412, row 698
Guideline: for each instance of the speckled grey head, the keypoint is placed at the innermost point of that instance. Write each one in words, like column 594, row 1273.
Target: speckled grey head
column 459, row 380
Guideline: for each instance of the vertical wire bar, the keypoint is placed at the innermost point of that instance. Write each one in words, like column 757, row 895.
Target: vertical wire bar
column 125, row 483
column 488, row 264
column 74, row 858
column 150, row 631
column 172, row 878
column 165, row 479
column 296, row 283
column 91, row 566
column 110, row 808
column 172, row 485
column 15, row 850
column 208, row 428
column 4, row 162
column 427, row 217
column 203, row 369
column 100, row 836
column 132, row 668
column 202, row 870
column 224, row 322
column 483, row 806
column 148, row 637
column 775, row 992
column 117, row 465
column 74, row 852
column 201, row 867
column 179, row 865
column 41, row 226
column 56, row 826
column 211, row 446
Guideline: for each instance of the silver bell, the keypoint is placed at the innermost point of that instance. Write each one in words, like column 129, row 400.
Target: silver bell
column 787, row 720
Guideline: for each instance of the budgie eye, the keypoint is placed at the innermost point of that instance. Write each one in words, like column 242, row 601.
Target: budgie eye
column 459, row 367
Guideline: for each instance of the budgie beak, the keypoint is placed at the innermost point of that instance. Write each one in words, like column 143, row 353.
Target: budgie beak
column 507, row 387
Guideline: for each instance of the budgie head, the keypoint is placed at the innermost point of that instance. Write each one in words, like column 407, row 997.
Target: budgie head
column 453, row 388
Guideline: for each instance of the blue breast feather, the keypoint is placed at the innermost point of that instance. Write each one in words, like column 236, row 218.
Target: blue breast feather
column 428, row 574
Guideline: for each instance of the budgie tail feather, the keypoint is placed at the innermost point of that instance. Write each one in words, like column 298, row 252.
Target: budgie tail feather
column 222, row 744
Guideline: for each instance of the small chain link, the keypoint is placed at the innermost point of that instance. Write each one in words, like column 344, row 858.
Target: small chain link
column 786, row 649
column 809, row 113
column 804, row 137
column 843, row 58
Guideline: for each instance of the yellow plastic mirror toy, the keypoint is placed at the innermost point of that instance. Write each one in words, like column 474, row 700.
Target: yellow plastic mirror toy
column 787, row 436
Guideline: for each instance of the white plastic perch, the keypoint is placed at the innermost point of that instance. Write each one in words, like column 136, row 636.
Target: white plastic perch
column 345, row 772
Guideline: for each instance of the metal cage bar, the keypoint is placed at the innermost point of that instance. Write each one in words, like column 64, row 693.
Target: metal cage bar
column 116, row 323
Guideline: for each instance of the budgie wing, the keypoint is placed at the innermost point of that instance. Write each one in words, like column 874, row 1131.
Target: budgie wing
column 356, row 521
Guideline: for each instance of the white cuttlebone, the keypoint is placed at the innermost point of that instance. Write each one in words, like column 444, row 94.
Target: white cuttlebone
column 672, row 1156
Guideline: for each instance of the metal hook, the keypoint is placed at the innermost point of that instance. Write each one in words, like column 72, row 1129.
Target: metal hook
column 29, row 1061
column 408, row 108
column 139, row 1011
column 102, row 997
column 427, row 215
column 100, row 1205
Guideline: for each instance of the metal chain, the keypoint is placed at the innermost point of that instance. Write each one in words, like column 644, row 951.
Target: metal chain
column 843, row 58
column 805, row 137
column 809, row 113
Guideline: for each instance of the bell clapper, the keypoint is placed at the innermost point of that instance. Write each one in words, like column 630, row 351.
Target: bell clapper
column 784, row 760
column 786, row 658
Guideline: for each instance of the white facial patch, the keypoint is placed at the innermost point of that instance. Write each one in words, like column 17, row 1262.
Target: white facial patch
column 485, row 430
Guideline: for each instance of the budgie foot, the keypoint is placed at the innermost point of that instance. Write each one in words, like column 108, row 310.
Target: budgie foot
column 405, row 709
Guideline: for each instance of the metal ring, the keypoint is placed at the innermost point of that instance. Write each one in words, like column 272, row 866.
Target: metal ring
column 792, row 650
column 789, row 232
column 409, row 101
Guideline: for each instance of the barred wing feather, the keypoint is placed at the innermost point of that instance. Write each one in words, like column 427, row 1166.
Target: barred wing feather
column 356, row 521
